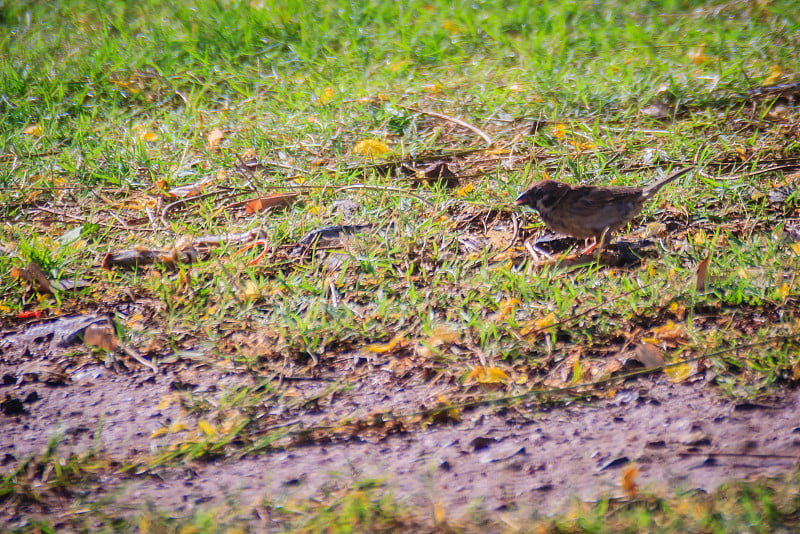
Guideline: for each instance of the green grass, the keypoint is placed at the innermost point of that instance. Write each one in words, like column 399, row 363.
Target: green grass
column 105, row 106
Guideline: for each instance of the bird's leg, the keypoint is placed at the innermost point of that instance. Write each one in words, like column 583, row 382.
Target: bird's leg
column 589, row 248
column 600, row 242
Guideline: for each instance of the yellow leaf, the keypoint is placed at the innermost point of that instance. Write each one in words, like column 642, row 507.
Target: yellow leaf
column 698, row 55
column 214, row 138
column 464, row 191
column 326, row 96
column 157, row 433
column 206, row 428
column 177, row 426
column 629, row 481
column 670, row 331
column 439, row 514
column 399, row 65
column 539, row 324
column 795, row 248
column 681, row 372
column 699, row 238
column 582, row 145
column 380, row 348
column 251, row 291
column 487, row 375
column 34, row 129
column 432, row 88
column 775, row 73
column 370, row 147
column 784, row 291
column 148, row 136
column 452, row 27
column 165, row 402
column 443, row 335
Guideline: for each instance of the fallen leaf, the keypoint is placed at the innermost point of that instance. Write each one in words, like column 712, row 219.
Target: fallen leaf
column 34, row 275
column 101, row 335
column 628, row 481
column 702, row 274
column 34, row 129
column 775, row 73
column 190, row 190
column 464, row 191
column 487, row 375
column 698, row 55
column 380, row 348
column 214, row 138
column 370, row 147
column 273, row 201
column 680, row 372
column 671, row 331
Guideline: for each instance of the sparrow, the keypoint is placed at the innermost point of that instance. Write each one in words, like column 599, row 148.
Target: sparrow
column 587, row 211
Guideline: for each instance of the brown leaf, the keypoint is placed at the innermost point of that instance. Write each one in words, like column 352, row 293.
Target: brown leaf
column 276, row 200
column 33, row 274
column 649, row 355
column 101, row 335
column 214, row 138
column 702, row 274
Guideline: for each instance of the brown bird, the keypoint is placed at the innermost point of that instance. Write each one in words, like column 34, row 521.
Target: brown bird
column 585, row 211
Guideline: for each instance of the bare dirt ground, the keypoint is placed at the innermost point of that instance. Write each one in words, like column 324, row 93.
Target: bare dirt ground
column 525, row 458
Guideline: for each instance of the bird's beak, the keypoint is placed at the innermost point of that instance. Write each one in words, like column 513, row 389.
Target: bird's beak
column 522, row 199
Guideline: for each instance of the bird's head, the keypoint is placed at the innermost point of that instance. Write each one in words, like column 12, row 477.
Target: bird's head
column 543, row 195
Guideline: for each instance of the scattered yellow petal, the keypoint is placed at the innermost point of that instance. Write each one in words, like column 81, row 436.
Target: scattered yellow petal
column 312, row 119
column 464, row 191
column 214, row 138
column 34, row 130
column 370, row 147
column 775, row 73
column 316, row 209
column 560, row 130
column 432, row 88
column 795, row 248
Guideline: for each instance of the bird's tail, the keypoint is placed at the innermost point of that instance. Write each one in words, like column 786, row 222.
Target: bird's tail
column 653, row 188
